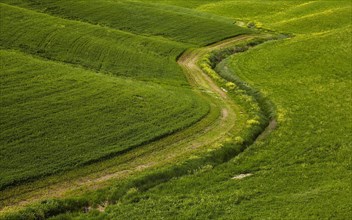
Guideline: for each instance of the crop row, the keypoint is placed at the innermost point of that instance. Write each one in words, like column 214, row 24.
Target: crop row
column 91, row 46
column 160, row 20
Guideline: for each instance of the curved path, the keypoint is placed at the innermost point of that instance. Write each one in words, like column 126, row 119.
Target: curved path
column 222, row 121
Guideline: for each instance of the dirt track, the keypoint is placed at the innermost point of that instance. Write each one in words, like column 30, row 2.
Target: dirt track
column 209, row 132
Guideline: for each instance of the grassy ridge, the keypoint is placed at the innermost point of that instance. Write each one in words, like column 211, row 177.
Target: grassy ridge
column 173, row 23
column 303, row 169
column 238, row 9
column 91, row 46
column 312, row 17
column 290, row 16
column 48, row 108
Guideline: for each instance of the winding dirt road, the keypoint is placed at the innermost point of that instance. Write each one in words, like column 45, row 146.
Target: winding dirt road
column 208, row 133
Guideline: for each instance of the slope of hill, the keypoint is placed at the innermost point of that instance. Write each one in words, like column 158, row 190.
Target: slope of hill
column 301, row 170
column 174, row 23
column 77, row 92
column 48, row 108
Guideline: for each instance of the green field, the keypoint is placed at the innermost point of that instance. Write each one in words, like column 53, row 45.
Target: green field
column 93, row 89
column 63, row 110
column 40, row 126
column 161, row 21
column 80, row 91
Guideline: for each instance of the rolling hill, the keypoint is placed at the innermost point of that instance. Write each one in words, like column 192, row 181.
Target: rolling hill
column 168, row 109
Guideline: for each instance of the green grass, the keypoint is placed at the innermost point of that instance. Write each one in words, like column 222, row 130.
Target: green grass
column 243, row 10
column 297, row 17
column 302, row 170
column 123, row 89
column 50, row 111
column 94, row 47
column 174, row 23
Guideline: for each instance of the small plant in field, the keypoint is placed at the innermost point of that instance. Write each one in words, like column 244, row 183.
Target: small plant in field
column 132, row 190
column 238, row 140
column 253, row 122
column 231, row 85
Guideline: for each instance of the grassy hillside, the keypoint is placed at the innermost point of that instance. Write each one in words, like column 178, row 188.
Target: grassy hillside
column 84, row 80
column 303, row 169
column 56, row 117
column 174, row 23
column 51, row 109
column 94, row 47
column 289, row 16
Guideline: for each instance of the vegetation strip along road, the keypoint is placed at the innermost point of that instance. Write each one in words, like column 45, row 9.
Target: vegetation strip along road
column 220, row 124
